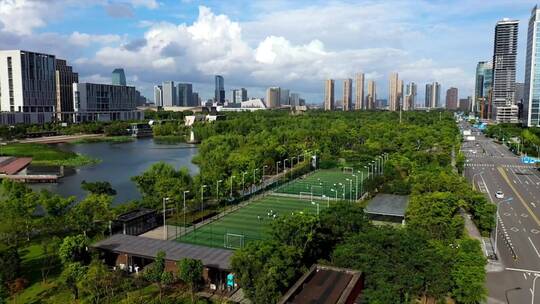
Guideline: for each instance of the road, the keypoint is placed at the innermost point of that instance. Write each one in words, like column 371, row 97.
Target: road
column 491, row 167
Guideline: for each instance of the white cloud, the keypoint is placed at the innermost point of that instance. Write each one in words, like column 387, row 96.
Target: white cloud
column 151, row 4
column 83, row 39
column 22, row 16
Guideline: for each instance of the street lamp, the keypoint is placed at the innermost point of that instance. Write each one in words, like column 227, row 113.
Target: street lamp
column 243, row 181
column 350, row 189
column 355, row 186
column 314, row 203
column 277, row 167
column 185, row 192
column 202, row 202
column 334, row 190
column 232, row 178
column 165, row 232
column 217, row 189
column 254, row 179
column 262, row 177
column 367, row 168
column 343, row 190
column 285, row 164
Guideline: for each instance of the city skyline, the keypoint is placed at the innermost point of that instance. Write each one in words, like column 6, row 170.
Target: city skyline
column 272, row 57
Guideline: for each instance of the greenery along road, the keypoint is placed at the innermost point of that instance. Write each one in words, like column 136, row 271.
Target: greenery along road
column 43, row 154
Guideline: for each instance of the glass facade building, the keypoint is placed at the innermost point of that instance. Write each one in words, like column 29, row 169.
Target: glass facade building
column 119, row 77
column 531, row 98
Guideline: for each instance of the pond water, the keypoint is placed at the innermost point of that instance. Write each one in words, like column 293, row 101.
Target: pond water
column 119, row 162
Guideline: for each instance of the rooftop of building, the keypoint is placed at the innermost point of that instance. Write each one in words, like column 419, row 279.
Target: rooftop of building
column 13, row 165
column 388, row 204
column 174, row 251
column 325, row 285
column 134, row 214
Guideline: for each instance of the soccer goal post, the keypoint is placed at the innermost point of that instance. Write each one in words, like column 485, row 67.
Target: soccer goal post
column 305, row 196
column 233, row 241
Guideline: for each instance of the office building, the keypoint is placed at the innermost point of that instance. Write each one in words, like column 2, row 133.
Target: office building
column 119, row 77
column 482, row 89
column 531, row 94
column 452, row 99
column 272, row 97
column 347, row 94
column 184, row 95
column 433, row 95
column 504, row 64
column 394, row 92
column 519, row 92
column 410, row 97
column 371, row 97
column 465, row 104
column 158, row 96
column 219, row 94
column 64, row 78
column 329, row 95
column 27, row 81
column 169, row 94
column 284, row 96
column 239, row 95
column 195, row 99
column 359, row 102
column 294, row 99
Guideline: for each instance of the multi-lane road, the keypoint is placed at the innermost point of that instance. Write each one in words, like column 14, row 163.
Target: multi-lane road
column 491, row 168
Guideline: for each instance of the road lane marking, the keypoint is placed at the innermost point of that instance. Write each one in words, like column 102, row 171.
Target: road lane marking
column 501, row 171
column 536, row 250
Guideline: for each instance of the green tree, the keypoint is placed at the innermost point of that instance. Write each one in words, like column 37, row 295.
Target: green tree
column 10, row 264
column 468, row 273
column 17, row 208
column 71, row 275
column 98, row 188
column 156, row 273
column 92, row 214
column 73, row 249
column 49, row 260
column 190, row 272
column 100, row 284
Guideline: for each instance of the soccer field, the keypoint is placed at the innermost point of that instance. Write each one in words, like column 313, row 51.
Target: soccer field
column 322, row 182
column 248, row 223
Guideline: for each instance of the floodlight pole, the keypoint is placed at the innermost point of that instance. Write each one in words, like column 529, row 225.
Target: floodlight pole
column 254, row 179
column 277, row 167
column 232, row 178
column 185, row 227
column 262, row 177
column 165, row 232
column 217, row 189
column 362, row 183
column 202, row 200
column 243, row 180
column 356, row 185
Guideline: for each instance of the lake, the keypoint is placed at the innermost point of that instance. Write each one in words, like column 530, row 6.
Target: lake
column 119, row 162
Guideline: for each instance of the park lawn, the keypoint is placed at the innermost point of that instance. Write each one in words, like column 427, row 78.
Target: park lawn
column 322, row 182
column 250, row 222
column 47, row 155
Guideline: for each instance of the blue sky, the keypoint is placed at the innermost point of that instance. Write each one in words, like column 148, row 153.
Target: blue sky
column 257, row 44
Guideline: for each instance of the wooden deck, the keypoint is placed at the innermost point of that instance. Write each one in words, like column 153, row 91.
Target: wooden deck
column 38, row 178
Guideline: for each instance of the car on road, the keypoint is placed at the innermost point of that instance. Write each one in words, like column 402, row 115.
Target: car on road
column 499, row 194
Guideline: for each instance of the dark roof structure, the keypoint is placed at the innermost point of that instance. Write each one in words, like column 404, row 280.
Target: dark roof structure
column 133, row 214
column 14, row 165
column 174, row 251
column 326, row 285
column 388, row 204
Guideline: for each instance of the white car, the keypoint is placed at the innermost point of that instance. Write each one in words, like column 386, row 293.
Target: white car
column 499, row 194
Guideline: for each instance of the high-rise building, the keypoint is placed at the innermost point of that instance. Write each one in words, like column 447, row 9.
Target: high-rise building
column 169, row 94
column 64, row 78
column 119, row 77
column 272, row 97
column 531, row 94
column 184, row 94
column 482, row 89
column 410, row 97
column 452, row 99
column 294, row 99
column 465, row 104
column 195, row 99
column 433, row 95
column 239, row 95
column 283, row 96
column 27, row 81
column 158, row 95
column 219, row 94
column 93, row 97
column 394, row 92
column 347, row 94
column 371, row 97
column 329, row 95
column 359, row 102
column 519, row 92
column 504, row 64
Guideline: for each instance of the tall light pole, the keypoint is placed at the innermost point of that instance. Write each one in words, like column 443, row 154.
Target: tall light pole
column 350, row 189
column 314, row 203
column 277, row 167
column 372, row 165
column 343, row 189
column 334, row 190
column 367, row 168
column 185, row 192
column 285, row 164
column 243, row 182
column 232, row 178
column 217, row 189
column 262, row 177
column 202, row 202
column 356, row 186
column 165, row 230
column 254, row 179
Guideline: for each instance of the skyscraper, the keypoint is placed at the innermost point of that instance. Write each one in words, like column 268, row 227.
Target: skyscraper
column 394, row 92
column 329, row 95
column 239, row 95
column 347, row 94
column 27, row 81
column 119, row 77
column 428, row 95
column 433, row 95
column 219, row 95
column 283, row 96
column 359, row 102
column 294, row 99
column 371, row 96
column 531, row 94
column 410, row 97
column 504, row 64
column 169, row 94
column 158, row 96
column 184, row 95
column 452, row 99
column 65, row 78
column 482, row 89
column 272, row 97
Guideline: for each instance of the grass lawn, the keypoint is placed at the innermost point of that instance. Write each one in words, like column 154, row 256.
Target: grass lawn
column 43, row 154
column 110, row 139
column 245, row 221
column 322, row 182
